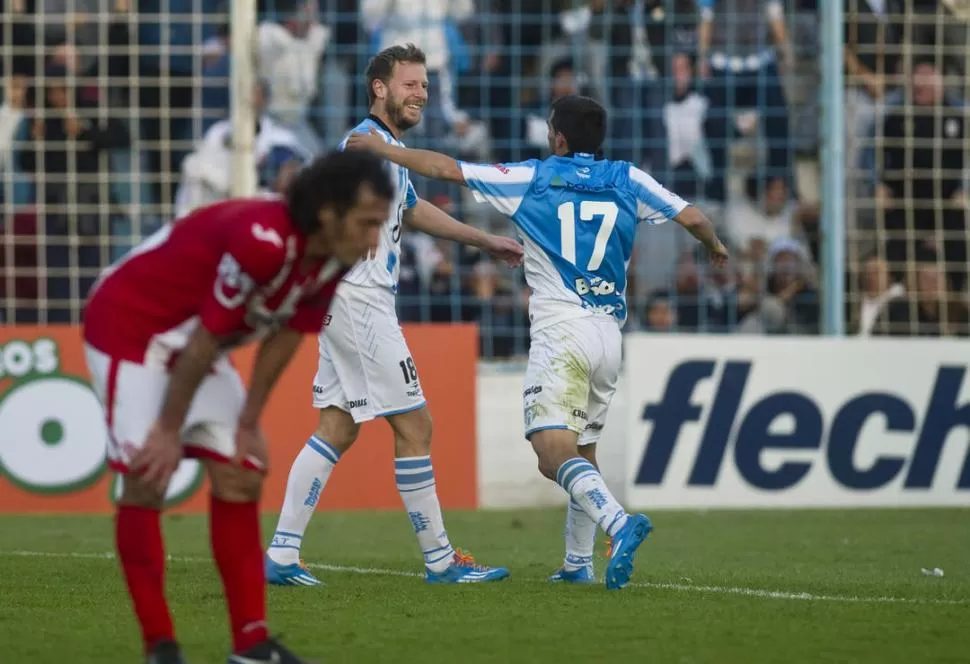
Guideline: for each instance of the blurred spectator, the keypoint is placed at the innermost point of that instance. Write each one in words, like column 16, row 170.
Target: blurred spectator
column 671, row 31
column 930, row 311
column 921, row 183
column 684, row 115
column 871, row 26
column 660, row 315
column 619, row 24
column 11, row 119
column 290, row 52
column 790, row 304
column 701, row 304
column 765, row 214
column 878, row 293
column 207, row 172
column 536, row 128
column 170, row 36
column 72, row 175
column 741, row 68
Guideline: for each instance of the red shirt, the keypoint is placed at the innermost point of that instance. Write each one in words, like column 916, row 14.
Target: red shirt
column 236, row 267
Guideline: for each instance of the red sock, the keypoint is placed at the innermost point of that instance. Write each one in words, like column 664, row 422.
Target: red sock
column 138, row 535
column 238, row 550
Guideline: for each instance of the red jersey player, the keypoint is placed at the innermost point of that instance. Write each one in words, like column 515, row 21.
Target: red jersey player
column 157, row 326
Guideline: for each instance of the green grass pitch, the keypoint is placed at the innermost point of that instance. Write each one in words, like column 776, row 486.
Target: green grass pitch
column 724, row 587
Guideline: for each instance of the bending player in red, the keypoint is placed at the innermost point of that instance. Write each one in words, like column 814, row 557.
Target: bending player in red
column 156, row 330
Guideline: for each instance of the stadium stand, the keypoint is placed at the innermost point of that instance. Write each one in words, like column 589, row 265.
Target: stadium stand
column 111, row 114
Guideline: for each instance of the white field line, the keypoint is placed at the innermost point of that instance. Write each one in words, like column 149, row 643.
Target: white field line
column 681, row 587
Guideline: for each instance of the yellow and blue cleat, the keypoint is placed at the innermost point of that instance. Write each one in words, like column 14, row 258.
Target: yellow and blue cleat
column 464, row 569
column 294, row 574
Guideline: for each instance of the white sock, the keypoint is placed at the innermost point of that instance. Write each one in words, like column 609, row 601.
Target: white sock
column 415, row 482
column 585, row 485
column 580, row 537
column 308, row 477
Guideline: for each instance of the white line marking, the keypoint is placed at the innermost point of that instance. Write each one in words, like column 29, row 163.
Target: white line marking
column 680, row 587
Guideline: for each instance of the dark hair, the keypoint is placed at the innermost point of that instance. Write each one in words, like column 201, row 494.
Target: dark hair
column 335, row 178
column 561, row 65
column 381, row 66
column 581, row 120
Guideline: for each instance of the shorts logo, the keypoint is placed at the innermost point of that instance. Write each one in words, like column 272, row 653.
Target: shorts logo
column 532, row 389
column 503, row 169
column 581, row 414
column 594, row 426
column 356, row 403
column 327, row 320
column 415, row 392
column 317, row 389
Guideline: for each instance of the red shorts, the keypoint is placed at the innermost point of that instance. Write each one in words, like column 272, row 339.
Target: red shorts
column 132, row 396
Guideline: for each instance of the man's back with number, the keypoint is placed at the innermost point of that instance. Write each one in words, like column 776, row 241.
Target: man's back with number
column 578, row 217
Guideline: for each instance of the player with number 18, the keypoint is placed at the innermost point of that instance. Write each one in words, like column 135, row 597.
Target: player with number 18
column 578, row 216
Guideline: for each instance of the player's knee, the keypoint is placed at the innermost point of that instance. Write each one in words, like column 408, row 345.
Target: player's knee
column 338, row 428
column 234, row 484
column 139, row 494
column 412, row 433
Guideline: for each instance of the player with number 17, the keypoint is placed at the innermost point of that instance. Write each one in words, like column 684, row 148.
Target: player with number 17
column 578, row 216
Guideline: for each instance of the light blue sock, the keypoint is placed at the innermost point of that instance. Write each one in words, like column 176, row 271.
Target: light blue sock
column 415, row 482
column 585, row 485
column 308, row 477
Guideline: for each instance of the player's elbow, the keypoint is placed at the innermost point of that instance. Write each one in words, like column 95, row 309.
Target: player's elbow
column 691, row 217
column 450, row 171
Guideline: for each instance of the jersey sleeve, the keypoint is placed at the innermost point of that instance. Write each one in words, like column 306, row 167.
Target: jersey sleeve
column 655, row 205
column 411, row 197
column 253, row 258
column 503, row 186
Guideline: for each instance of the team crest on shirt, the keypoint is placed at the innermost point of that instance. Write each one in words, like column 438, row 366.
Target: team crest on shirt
column 232, row 285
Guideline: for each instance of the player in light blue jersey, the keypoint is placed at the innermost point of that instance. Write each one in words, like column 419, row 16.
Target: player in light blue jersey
column 363, row 354
column 578, row 217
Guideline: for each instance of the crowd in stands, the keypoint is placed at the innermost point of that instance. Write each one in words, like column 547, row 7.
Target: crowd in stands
column 115, row 121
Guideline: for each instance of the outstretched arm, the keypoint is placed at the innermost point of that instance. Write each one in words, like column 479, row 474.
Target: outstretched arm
column 432, row 220
column 697, row 224
column 430, row 164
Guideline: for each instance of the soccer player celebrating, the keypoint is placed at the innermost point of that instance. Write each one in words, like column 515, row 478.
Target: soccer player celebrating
column 363, row 355
column 157, row 327
column 578, row 216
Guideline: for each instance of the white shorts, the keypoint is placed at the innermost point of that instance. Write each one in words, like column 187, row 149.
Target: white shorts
column 132, row 396
column 366, row 368
column 571, row 377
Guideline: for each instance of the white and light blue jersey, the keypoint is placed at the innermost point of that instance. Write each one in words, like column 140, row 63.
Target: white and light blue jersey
column 578, row 219
column 381, row 269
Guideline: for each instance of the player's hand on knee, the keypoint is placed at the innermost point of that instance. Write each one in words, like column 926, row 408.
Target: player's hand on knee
column 251, row 446
column 158, row 459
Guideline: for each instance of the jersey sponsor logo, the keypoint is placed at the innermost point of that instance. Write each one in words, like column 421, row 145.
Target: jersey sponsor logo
column 232, row 285
column 750, row 432
column 597, row 286
column 267, row 235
